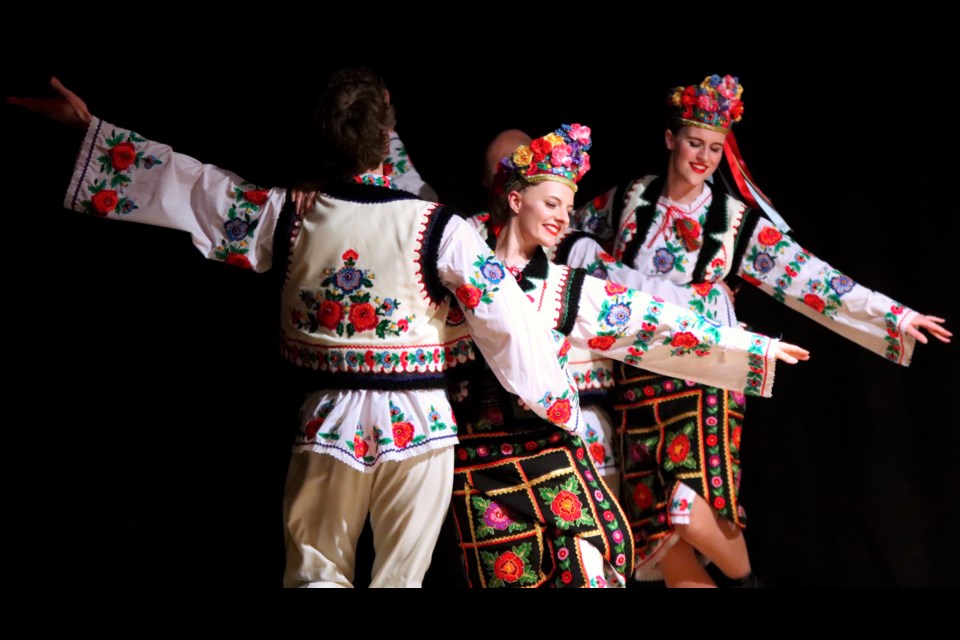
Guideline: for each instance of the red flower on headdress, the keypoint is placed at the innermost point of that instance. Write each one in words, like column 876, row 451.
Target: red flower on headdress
column 540, row 147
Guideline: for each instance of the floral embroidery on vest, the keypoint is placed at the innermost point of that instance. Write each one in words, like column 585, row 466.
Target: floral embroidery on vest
column 343, row 306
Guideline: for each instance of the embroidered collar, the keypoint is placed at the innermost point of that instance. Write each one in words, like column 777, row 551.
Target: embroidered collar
column 375, row 180
column 691, row 209
column 535, row 269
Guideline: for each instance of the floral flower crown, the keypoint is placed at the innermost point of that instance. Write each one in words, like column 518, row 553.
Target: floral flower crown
column 715, row 104
column 560, row 156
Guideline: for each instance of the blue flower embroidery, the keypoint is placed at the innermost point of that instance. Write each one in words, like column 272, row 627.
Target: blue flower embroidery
column 492, row 270
column 663, row 261
column 236, row 229
column 348, row 279
column 764, row 262
column 842, row 284
column 619, row 314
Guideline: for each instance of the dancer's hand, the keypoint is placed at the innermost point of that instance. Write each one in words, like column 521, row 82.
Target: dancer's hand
column 305, row 196
column 791, row 353
column 68, row 109
column 929, row 323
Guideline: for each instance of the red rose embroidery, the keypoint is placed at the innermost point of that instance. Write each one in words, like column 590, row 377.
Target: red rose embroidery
column 123, row 155
column 566, row 506
column 402, row 433
column 403, row 325
column 736, row 437
column 769, row 236
column 579, row 454
column 719, row 503
column 679, row 449
column 469, row 295
column 566, row 577
column 387, row 169
column 312, row 427
column 564, row 348
column 559, row 411
column 530, row 445
column 608, row 516
column 643, row 496
column 330, row 315
column 238, row 260
column 684, row 340
column 363, row 316
column 896, row 309
column 703, row 288
column 597, row 452
column 601, row 343
column 711, row 440
column 613, row 289
column 814, row 302
column 359, row 447
column 508, row 567
column 791, row 271
column 606, row 257
column 350, row 255
column 104, row 201
column 256, row 197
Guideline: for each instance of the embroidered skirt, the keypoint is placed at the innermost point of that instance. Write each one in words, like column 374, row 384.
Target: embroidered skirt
column 672, row 431
column 526, row 502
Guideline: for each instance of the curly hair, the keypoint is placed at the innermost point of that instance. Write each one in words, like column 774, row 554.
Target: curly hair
column 353, row 119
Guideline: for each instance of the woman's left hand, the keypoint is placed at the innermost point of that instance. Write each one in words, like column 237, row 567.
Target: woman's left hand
column 931, row 324
column 305, row 196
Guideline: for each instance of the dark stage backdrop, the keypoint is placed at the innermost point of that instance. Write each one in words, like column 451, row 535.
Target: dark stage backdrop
column 154, row 421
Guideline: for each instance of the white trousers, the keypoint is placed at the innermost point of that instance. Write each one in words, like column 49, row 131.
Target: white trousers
column 326, row 504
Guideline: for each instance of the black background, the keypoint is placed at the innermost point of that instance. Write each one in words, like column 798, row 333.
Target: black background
column 149, row 422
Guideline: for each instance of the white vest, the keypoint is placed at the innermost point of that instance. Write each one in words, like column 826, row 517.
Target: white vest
column 361, row 298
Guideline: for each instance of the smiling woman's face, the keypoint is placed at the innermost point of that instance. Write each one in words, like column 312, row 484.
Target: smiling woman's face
column 542, row 211
column 695, row 153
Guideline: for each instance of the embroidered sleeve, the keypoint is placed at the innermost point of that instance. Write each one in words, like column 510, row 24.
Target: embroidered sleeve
column 586, row 253
column 121, row 175
column 780, row 267
column 517, row 345
column 648, row 332
column 405, row 176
